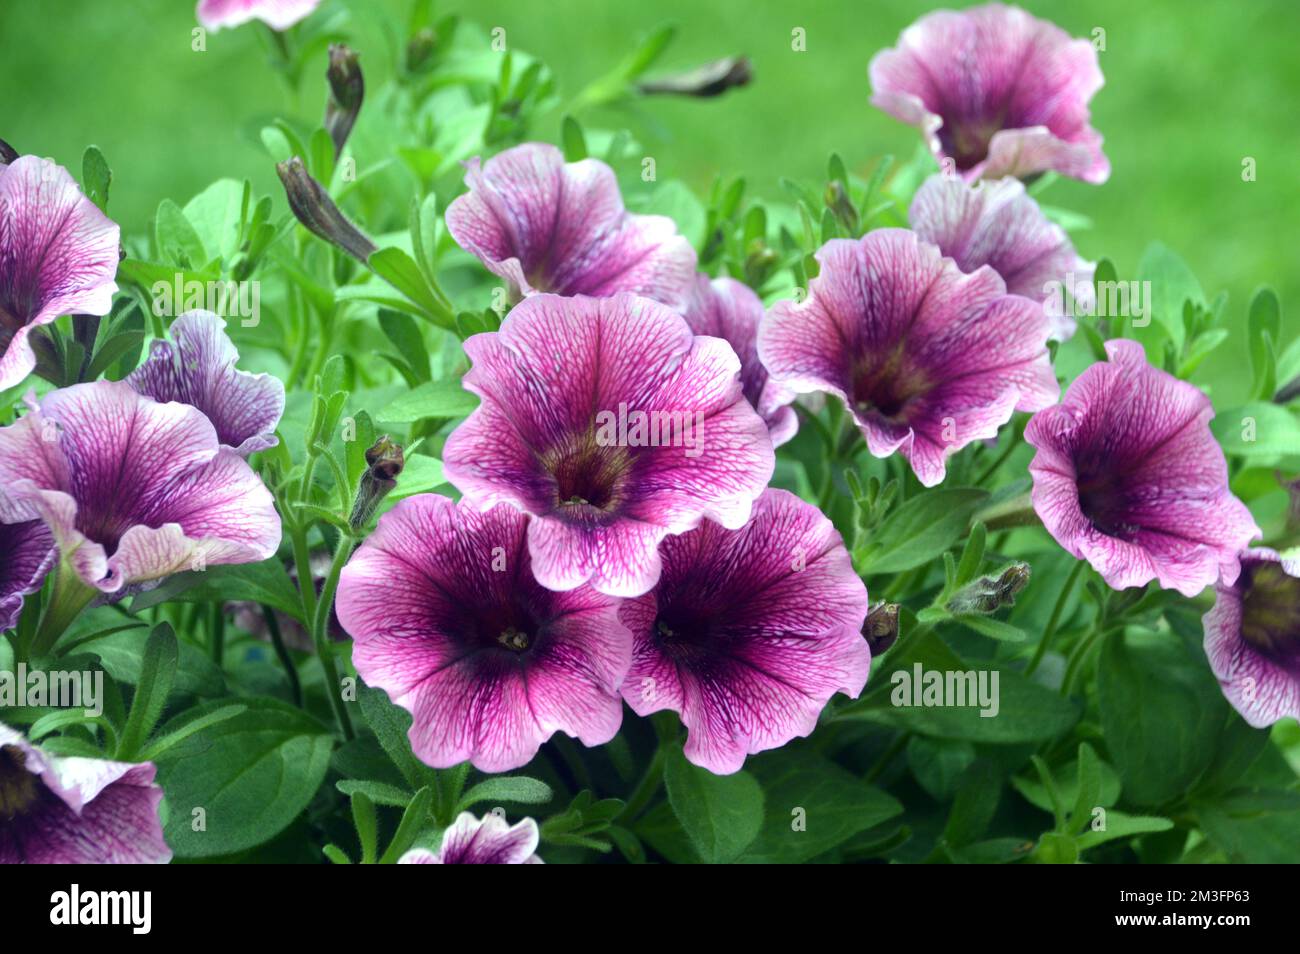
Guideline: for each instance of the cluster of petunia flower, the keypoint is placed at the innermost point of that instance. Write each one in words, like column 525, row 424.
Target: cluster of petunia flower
column 577, row 572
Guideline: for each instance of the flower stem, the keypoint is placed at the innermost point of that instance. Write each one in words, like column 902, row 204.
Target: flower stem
column 645, row 789
column 320, row 635
column 282, row 651
column 1055, row 619
column 69, row 597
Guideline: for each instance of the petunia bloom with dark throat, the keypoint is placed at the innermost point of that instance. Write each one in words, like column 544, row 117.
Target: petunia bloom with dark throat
column 1129, row 477
column 995, row 92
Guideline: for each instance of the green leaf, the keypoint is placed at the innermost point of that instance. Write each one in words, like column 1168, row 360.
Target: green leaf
column 266, row 582
column 1120, row 825
column 380, row 793
column 165, row 741
column 937, row 764
column 722, row 814
column 157, row 671
column 518, row 789
column 811, row 805
column 990, row 627
column 1262, row 433
column 176, row 238
column 391, row 724
column 123, row 656
column 96, row 177
column 400, row 270
column 421, row 474
column 1172, row 284
column 575, row 144
column 1264, row 327
column 241, row 782
column 413, row 819
column 920, row 530
column 442, row 400
column 403, row 332
column 367, row 826
column 362, row 440
column 215, row 214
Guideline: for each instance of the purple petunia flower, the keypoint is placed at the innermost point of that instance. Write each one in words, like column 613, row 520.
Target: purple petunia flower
column 997, row 224
column 58, row 255
column 277, row 14
column 926, row 359
column 1129, row 477
column 447, row 619
column 1252, row 638
column 996, row 91
column 728, row 309
column 615, row 426
column 749, row 632
column 72, row 810
column 199, row 369
column 490, row 841
column 545, row 225
column 133, row 490
column 26, row 554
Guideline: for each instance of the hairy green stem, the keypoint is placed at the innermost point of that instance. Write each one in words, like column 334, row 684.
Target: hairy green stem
column 1054, row 620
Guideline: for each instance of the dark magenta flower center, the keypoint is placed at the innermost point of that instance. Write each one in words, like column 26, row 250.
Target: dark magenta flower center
column 19, row 788
column 589, row 481
column 886, row 388
column 685, row 629
column 10, row 322
column 1270, row 613
column 1104, row 503
column 511, row 626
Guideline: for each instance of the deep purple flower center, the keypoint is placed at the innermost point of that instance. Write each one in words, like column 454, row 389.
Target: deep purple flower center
column 684, row 629
column 589, row 480
column 19, row 788
column 1104, row 503
column 967, row 142
column 886, row 388
column 10, row 322
column 510, row 626
column 1270, row 613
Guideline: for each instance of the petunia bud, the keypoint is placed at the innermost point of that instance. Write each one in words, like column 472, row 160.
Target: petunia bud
column 313, row 207
column 8, row 154
column 419, row 50
column 841, row 206
column 711, row 79
column 347, row 90
column 988, row 593
column 881, row 627
column 384, row 462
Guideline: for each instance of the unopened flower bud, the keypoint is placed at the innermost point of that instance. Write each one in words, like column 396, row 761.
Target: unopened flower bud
column 988, row 593
column 347, row 90
column 881, row 627
column 841, row 206
column 711, row 79
column 313, row 207
column 419, row 50
column 384, row 462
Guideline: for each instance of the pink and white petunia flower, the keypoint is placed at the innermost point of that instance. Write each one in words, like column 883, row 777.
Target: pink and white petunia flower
column 728, row 309
column 1252, row 638
column 995, row 92
column 446, row 617
column 749, row 632
column 997, row 224
column 615, row 426
column 133, row 490
column 58, row 255
column 26, row 555
column 57, row 810
column 1129, row 477
column 277, row 14
column 489, row 841
column 197, row 367
column 545, row 225
column 926, row 359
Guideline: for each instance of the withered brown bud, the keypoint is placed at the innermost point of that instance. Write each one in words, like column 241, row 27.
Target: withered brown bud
column 384, row 462
column 988, row 593
column 881, row 627
column 711, row 79
column 313, row 207
column 347, row 91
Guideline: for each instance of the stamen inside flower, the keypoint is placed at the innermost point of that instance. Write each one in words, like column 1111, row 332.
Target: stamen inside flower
column 509, row 626
column 589, row 480
column 968, row 142
column 19, row 788
column 681, row 628
column 512, row 638
column 1270, row 613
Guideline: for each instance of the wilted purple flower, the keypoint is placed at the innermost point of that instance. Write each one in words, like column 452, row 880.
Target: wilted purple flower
column 277, row 14
column 925, row 358
column 1252, row 638
column 545, row 225
column 72, row 810
column 1129, row 477
column 58, row 255
column 198, row 368
column 749, row 632
column 728, row 309
column 490, row 841
column 612, row 424
column 447, row 619
column 26, row 554
column 996, row 91
column 133, row 490
column 997, row 224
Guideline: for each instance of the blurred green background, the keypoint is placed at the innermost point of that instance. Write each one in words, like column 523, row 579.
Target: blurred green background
column 1192, row 87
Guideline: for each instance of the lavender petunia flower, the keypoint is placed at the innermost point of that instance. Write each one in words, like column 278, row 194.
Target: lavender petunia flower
column 926, row 359
column 749, row 632
column 997, row 224
column 995, row 91
column 277, row 14
column 1129, row 477
column 615, row 426
column 72, row 810
column 58, row 255
column 545, row 225
column 133, row 490
column 728, row 309
column 490, row 841
column 1252, row 638
column 26, row 554
column 198, row 368
column 447, row 619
